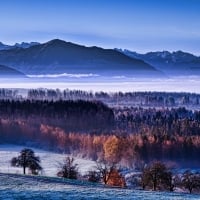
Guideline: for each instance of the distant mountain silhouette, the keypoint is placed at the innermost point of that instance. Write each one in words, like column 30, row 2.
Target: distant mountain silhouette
column 23, row 45
column 7, row 71
column 4, row 46
column 178, row 62
column 57, row 56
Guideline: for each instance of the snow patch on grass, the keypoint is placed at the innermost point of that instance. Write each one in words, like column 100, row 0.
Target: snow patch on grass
column 50, row 161
column 29, row 187
column 15, row 186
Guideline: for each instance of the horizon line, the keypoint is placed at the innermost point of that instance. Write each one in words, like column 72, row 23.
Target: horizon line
column 85, row 45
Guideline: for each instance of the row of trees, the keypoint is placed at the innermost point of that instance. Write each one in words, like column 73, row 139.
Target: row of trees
column 69, row 169
column 155, row 176
column 93, row 130
column 70, row 115
column 120, row 98
column 128, row 150
column 169, row 121
column 96, row 117
column 152, row 99
column 9, row 94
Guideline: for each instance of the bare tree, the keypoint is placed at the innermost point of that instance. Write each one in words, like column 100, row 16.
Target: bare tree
column 93, row 176
column 191, row 181
column 168, row 181
column 105, row 170
column 156, row 175
column 69, row 169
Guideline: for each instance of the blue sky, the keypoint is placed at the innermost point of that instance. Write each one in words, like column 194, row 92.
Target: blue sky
column 138, row 25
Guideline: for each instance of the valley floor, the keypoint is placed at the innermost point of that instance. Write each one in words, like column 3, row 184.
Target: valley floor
column 50, row 162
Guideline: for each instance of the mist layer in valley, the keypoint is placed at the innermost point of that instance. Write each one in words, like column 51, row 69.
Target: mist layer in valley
column 95, row 82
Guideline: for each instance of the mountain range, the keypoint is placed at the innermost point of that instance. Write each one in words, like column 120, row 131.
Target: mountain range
column 58, row 56
column 175, row 63
column 23, row 45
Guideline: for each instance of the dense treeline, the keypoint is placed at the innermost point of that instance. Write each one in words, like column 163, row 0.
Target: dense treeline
column 114, row 99
column 179, row 121
column 130, row 150
column 152, row 99
column 9, row 94
column 138, row 128
column 130, row 136
column 70, row 115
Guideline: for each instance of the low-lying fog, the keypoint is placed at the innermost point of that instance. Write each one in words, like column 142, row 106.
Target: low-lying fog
column 94, row 82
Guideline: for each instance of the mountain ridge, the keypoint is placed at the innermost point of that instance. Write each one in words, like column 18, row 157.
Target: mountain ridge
column 23, row 45
column 65, row 57
column 176, row 62
column 59, row 56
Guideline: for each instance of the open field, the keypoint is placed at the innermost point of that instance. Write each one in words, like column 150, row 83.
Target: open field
column 50, row 161
column 28, row 187
column 48, row 186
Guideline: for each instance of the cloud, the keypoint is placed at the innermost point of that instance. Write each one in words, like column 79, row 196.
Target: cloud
column 64, row 75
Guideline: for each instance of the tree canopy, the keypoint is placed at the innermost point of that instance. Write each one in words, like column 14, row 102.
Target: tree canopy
column 27, row 159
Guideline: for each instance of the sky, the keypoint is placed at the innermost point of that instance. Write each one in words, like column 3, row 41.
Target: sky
column 137, row 25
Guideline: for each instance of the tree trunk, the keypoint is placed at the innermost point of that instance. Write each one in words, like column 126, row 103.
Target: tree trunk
column 105, row 179
column 24, row 169
column 171, row 188
column 154, row 185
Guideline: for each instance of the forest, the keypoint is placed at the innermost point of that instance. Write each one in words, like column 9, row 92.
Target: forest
column 127, row 135
column 70, row 115
column 112, row 99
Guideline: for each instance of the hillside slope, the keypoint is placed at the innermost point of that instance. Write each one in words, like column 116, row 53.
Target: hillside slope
column 29, row 187
column 9, row 72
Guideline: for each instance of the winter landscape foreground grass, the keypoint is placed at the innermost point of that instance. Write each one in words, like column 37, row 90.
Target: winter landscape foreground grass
column 35, row 187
